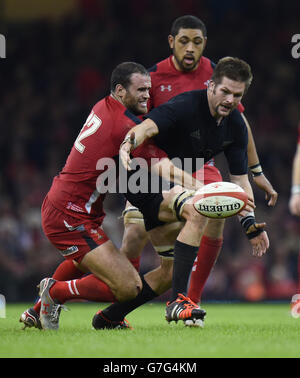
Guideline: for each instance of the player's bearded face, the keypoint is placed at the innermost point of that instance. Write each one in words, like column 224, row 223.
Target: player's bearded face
column 188, row 46
column 225, row 96
column 137, row 94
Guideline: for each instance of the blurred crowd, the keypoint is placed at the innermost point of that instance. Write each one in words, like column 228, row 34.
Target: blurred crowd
column 56, row 70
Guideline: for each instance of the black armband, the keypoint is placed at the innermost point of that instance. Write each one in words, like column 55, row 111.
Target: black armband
column 249, row 225
column 256, row 170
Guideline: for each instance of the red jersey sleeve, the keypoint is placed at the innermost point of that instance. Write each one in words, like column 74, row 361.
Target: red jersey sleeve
column 148, row 150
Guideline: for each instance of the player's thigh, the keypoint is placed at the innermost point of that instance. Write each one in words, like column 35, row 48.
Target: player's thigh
column 111, row 266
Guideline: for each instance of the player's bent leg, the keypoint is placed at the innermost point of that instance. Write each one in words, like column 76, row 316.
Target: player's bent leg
column 135, row 236
column 160, row 279
column 181, row 307
column 108, row 264
column 134, row 240
column 155, row 282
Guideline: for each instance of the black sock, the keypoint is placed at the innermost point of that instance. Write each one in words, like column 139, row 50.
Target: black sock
column 184, row 257
column 117, row 311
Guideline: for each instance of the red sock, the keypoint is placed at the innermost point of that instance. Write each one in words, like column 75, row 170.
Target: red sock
column 89, row 287
column 207, row 255
column 136, row 262
column 65, row 271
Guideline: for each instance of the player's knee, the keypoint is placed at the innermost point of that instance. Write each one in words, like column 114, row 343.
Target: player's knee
column 190, row 214
column 178, row 201
column 214, row 228
column 132, row 215
column 129, row 288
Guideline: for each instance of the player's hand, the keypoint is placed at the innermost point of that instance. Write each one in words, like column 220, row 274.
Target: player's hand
column 260, row 243
column 250, row 207
column 270, row 193
column 125, row 149
column 294, row 204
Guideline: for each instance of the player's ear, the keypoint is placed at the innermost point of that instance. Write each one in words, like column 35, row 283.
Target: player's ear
column 205, row 42
column 211, row 85
column 120, row 90
column 171, row 41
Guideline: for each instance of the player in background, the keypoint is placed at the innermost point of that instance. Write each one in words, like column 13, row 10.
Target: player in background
column 187, row 69
column 294, row 205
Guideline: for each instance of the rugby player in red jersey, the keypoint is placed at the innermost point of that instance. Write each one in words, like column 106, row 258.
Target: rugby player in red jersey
column 187, row 69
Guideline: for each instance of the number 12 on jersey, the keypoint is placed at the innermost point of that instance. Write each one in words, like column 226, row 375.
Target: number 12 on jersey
column 91, row 125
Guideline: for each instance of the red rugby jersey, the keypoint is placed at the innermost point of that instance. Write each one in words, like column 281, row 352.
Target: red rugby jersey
column 168, row 82
column 77, row 187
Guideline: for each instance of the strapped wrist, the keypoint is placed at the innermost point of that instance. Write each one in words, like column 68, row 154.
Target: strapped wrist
column 256, row 170
column 248, row 223
column 133, row 142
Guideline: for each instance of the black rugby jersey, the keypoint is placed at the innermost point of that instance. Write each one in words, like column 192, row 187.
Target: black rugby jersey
column 188, row 130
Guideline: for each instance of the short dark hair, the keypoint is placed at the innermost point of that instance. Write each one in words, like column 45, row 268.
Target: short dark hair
column 235, row 69
column 122, row 74
column 188, row 22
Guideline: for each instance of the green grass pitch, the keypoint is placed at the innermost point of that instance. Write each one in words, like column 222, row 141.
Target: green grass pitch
column 231, row 330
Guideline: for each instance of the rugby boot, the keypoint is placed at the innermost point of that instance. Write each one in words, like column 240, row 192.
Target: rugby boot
column 30, row 318
column 183, row 308
column 101, row 322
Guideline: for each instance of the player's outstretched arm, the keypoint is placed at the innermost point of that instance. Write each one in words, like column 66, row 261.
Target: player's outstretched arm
column 166, row 169
column 136, row 136
column 258, row 176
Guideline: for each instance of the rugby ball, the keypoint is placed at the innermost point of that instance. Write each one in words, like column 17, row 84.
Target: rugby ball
column 220, row 200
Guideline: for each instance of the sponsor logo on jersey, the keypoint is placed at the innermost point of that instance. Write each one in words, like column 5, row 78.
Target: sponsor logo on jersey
column 196, row 134
column 166, row 88
column 93, row 231
column 70, row 250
